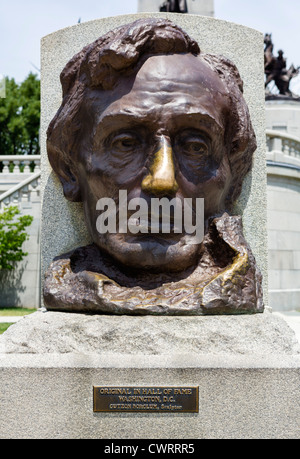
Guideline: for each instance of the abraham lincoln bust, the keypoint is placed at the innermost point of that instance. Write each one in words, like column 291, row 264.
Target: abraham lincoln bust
column 148, row 118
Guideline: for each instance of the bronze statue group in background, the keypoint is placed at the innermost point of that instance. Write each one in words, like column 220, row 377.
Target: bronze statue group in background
column 174, row 6
column 276, row 69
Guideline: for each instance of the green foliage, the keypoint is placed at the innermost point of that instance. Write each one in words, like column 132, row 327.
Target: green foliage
column 12, row 236
column 20, row 117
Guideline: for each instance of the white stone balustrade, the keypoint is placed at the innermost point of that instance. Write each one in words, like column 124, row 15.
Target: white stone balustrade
column 283, row 143
column 23, row 192
column 283, row 169
column 17, row 164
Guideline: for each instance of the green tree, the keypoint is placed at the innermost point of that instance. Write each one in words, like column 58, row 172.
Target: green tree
column 20, row 117
column 12, row 237
column 11, row 126
column 30, row 103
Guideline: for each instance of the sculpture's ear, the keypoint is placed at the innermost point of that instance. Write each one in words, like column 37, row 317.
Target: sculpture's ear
column 70, row 183
column 68, row 177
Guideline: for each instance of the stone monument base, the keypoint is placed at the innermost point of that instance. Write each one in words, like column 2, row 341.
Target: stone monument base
column 246, row 368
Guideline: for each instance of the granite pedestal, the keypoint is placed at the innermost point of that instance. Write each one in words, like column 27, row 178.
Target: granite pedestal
column 246, row 368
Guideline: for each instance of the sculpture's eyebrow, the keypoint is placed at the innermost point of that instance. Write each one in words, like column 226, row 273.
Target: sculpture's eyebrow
column 122, row 116
column 193, row 118
column 200, row 119
column 108, row 122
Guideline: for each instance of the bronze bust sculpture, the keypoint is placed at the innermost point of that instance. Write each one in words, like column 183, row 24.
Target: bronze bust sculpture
column 145, row 112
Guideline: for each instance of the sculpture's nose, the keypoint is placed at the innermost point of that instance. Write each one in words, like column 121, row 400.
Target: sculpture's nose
column 161, row 178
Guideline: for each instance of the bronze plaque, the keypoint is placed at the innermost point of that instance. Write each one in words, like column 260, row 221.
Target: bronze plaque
column 181, row 399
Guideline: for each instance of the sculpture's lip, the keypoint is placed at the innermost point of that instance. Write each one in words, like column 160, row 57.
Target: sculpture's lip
column 160, row 227
column 157, row 237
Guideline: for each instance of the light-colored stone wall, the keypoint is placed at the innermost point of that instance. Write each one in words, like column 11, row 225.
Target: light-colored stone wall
column 284, row 208
column 283, row 116
column 63, row 225
column 283, row 191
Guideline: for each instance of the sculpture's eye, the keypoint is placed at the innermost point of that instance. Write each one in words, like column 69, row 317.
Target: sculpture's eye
column 195, row 154
column 192, row 144
column 125, row 142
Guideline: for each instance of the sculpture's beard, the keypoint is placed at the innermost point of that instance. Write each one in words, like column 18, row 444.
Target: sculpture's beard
column 157, row 253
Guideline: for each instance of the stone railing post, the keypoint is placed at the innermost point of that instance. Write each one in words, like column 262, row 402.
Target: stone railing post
column 6, row 167
column 18, row 161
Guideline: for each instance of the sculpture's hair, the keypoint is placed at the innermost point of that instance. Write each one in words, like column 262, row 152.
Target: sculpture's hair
column 121, row 52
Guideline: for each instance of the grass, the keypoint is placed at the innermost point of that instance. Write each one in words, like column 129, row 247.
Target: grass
column 15, row 311
column 4, row 327
column 8, row 312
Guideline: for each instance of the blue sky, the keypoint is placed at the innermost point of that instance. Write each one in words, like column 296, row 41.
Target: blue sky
column 24, row 22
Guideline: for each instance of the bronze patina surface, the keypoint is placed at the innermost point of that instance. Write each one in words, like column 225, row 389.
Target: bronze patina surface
column 144, row 110
column 146, row 399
